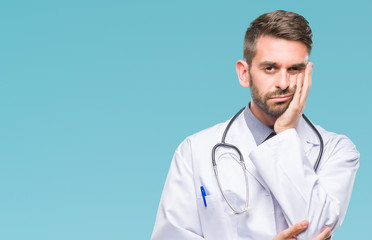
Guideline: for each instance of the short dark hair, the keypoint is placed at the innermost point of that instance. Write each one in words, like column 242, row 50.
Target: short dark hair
column 278, row 24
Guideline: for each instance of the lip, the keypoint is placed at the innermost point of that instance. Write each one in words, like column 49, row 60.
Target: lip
column 281, row 98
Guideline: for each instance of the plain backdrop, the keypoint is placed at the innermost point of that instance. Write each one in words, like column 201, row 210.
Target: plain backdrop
column 95, row 96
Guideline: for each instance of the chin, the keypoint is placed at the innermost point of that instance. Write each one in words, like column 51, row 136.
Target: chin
column 278, row 109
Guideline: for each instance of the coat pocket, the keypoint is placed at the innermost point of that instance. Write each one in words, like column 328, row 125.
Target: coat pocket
column 216, row 219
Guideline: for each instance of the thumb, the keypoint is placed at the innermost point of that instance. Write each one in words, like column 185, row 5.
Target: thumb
column 323, row 234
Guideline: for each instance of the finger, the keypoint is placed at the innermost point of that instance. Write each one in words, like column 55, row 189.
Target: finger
column 297, row 94
column 310, row 68
column 304, row 87
column 323, row 234
column 295, row 229
column 307, row 82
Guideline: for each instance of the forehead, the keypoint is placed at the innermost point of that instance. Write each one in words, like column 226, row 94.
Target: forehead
column 279, row 50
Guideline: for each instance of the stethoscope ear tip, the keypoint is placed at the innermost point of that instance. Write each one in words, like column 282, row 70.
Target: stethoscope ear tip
column 247, row 210
column 232, row 213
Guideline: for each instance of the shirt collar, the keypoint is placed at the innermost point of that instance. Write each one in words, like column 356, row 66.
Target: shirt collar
column 259, row 130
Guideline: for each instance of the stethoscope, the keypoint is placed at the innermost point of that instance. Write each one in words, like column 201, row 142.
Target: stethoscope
column 227, row 145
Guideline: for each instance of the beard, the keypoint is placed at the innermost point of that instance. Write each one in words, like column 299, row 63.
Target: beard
column 262, row 100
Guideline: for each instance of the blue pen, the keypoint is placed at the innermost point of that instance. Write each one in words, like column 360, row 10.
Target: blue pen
column 203, row 194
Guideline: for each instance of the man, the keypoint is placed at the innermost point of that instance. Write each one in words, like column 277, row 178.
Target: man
column 278, row 186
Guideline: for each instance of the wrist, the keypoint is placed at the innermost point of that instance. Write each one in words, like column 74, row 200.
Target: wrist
column 282, row 129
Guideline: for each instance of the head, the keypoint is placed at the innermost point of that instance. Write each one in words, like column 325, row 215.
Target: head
column 277, row 46
column 277, row 24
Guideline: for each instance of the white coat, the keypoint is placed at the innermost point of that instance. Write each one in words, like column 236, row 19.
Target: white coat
column 283, row 187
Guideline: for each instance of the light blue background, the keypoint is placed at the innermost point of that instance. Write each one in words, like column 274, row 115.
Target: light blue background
column 96, row 95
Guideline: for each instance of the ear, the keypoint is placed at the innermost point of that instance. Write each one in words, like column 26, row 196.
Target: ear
column 243, row 73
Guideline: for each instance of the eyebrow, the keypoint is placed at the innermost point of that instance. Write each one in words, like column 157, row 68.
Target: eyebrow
column 268, row 63
column 299, row 65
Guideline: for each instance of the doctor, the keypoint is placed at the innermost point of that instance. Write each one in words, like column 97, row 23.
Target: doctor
column 286, row 198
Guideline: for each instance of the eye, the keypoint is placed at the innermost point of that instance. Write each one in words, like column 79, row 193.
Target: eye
column 269, row 69
column 294, row 70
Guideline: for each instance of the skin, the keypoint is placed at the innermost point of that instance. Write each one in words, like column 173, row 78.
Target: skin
column 290, row 233
column 280, row 80
column 279, row 66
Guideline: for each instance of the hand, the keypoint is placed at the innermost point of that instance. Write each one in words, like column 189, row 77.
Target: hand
column 290, row 233
column 292, row 115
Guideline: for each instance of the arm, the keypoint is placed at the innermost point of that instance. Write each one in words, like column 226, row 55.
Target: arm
column 321, row 198
column 292, row 232
column 177, row 216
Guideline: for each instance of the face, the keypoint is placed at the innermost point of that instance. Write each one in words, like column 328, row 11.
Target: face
column 273, row 74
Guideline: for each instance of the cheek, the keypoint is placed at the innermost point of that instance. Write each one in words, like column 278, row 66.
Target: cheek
column 265, row 82
column 266, row 89
column 292, row 80
column 262, row 82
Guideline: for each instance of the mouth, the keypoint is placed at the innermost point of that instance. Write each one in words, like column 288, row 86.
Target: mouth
column 281, row 98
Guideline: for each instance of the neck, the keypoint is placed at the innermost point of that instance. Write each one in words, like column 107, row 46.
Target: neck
column 263, row 117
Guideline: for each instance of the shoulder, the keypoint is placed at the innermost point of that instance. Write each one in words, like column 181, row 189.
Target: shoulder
column 194, row 151
column 337, row 143
column 330, row 139
column 204, row 137
column 338, row 149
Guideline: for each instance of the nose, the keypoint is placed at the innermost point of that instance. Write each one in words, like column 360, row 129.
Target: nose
column 283, row 80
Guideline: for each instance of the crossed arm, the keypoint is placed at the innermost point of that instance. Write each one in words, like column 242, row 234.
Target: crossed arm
column 320, row 196
column 290, row 233
column 287, row 121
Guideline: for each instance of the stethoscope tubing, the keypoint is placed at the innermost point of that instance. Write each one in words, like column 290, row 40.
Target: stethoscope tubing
column 321, row 143
column 228, row 145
